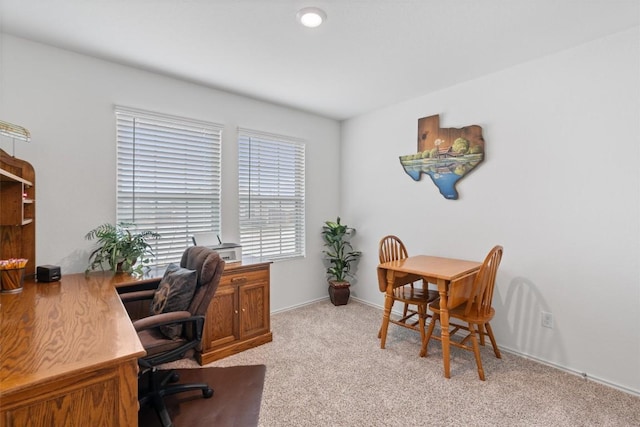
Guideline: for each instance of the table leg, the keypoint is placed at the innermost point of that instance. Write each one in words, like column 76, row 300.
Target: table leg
column 388, row 303
column 423, row 337
column 444, row 324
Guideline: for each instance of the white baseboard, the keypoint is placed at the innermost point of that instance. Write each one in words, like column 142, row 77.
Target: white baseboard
column 293, row 307
column 571, row 371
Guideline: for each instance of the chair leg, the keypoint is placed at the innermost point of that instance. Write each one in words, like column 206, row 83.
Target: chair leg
column 161, row 411
column 381, row 325
column 425, row 341
column 405, row 310
column 493, row 341
column 476, row 350
column 481, row 333
column 422, row 314
column 207, row 391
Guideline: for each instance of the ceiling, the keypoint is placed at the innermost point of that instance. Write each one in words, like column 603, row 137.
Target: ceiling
column 368, row 54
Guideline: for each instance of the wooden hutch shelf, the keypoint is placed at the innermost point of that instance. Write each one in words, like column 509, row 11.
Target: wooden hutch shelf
column 17, row 213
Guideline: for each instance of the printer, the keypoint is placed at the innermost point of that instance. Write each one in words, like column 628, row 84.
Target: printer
column 229, row 252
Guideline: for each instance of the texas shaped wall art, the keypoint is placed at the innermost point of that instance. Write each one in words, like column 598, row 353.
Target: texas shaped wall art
column 446, row 155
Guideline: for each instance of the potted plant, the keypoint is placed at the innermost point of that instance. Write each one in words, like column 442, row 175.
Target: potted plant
column 121, row 246
column 341, row 257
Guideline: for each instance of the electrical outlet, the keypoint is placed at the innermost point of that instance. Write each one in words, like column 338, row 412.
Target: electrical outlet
column 546, row 319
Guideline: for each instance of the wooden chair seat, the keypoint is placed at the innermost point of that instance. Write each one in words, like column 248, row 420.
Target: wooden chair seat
column 458, row 312
column 413, row 295
column 476, row 312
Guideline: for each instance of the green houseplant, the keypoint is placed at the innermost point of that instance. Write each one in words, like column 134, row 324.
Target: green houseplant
column 120, row 246
column 341, row 257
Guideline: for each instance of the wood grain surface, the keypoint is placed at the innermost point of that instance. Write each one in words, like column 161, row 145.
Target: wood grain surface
column 69, row 354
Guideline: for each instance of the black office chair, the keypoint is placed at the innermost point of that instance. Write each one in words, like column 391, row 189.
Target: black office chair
column 174, row 328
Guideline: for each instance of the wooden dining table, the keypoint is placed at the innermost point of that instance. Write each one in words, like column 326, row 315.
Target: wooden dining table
column 453, row 277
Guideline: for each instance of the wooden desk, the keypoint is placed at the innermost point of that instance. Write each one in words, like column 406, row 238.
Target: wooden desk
column 442, row 271
column 69, row 355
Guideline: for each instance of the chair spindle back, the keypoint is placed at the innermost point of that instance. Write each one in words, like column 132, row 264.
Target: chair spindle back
column 482, row 292
column 392, row 249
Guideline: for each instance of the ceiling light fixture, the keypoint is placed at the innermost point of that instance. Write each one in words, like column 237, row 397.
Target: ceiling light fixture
column 311, row 17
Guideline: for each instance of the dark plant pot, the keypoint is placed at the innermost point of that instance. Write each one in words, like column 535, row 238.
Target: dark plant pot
column 339, row 293
column 119, row 267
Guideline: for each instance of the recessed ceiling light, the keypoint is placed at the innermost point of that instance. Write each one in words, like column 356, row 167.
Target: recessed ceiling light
column 311, row 16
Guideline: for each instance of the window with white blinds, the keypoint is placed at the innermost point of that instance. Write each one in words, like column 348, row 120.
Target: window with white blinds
column 271, row 195
column 168, row 178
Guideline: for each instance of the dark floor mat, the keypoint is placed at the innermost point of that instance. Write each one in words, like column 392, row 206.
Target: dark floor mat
column 235, row 402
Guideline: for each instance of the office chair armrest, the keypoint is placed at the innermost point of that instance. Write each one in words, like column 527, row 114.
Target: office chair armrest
column 137, row 295
column 161, row 319
column 195, row 323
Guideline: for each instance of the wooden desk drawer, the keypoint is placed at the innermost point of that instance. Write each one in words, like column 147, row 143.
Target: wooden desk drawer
column 241, row 277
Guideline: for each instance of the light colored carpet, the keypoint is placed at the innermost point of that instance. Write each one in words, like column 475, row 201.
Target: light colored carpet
column 325, row 368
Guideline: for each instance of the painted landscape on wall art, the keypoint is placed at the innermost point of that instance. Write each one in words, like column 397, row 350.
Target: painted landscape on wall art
column 446, row 155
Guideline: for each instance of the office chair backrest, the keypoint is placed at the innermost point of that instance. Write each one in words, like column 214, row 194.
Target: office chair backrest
column 209, row 268
column 482, row 292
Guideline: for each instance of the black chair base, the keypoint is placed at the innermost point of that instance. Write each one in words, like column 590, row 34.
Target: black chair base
column 155, row 384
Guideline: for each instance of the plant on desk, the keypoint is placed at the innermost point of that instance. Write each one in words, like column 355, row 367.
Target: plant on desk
column 121, row 246
column 341, row 257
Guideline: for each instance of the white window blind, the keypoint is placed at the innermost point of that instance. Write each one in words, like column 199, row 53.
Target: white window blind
column 271, row 195
column 168, row 178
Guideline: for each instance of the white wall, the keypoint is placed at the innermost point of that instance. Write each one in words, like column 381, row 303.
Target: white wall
column 66, row 100
column 559, row 189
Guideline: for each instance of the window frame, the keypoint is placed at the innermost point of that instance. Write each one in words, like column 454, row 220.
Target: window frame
column 180, row 184
column 271, row 195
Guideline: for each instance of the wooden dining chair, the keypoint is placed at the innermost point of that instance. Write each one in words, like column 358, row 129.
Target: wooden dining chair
column 391, row 248
column 476, row 312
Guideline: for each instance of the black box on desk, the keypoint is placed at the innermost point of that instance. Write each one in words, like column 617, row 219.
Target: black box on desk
column 48, row 273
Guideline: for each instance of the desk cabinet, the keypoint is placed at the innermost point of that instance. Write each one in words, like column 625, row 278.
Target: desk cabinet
column 102, row 396
column 238, row 316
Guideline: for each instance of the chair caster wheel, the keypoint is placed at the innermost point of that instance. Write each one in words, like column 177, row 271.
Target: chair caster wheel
column 207, row 393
